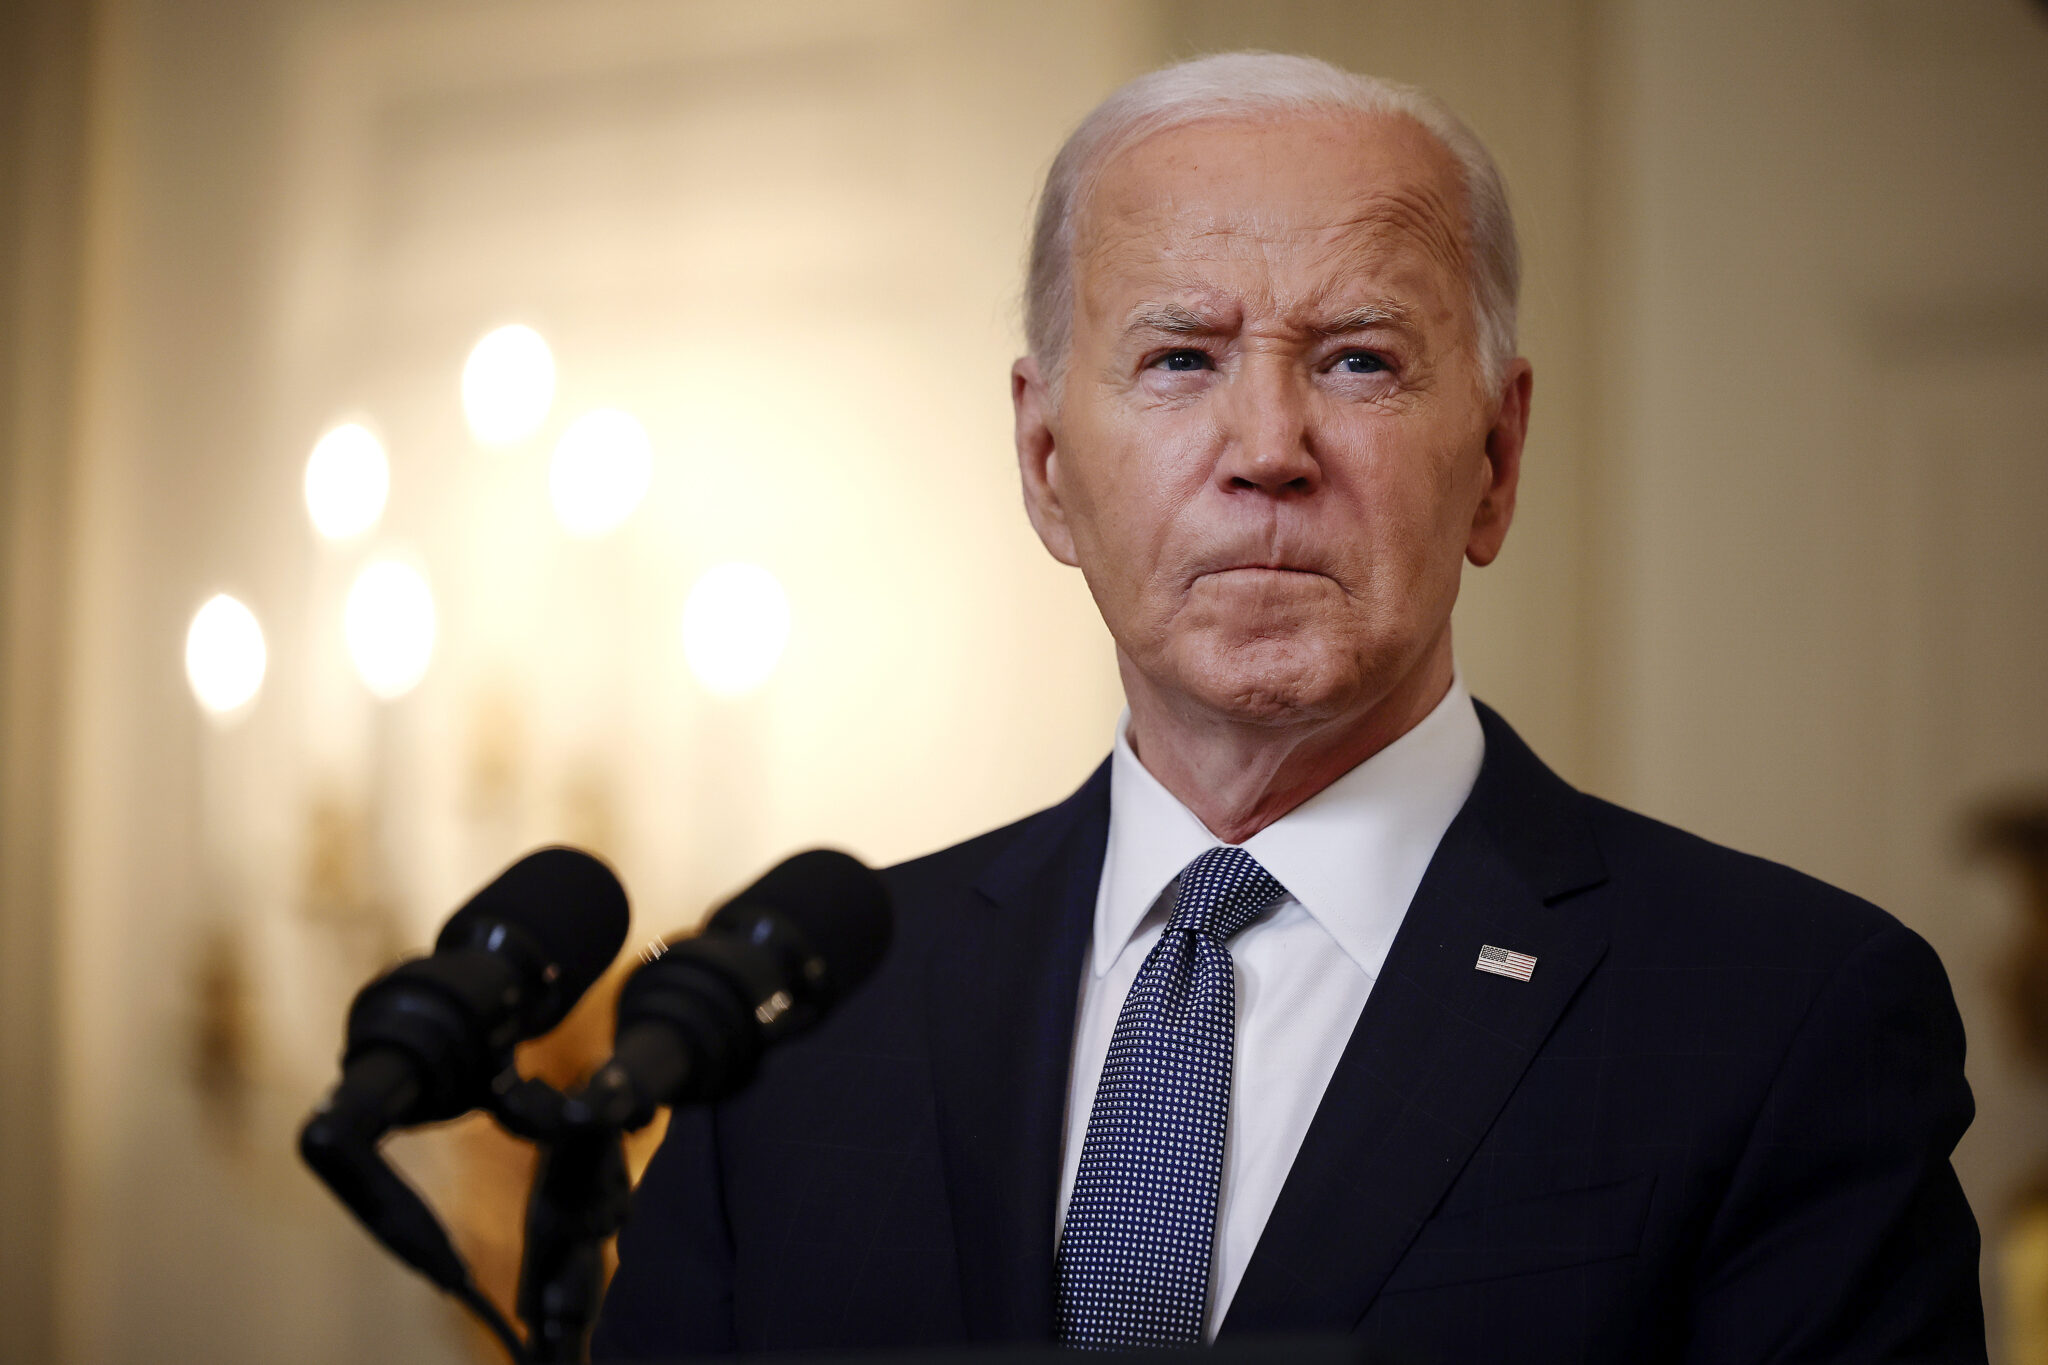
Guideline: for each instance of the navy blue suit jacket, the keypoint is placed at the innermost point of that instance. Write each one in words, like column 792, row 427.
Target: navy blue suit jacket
column 1715, row 1124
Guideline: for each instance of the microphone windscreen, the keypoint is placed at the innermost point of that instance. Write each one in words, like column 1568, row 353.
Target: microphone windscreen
column 836, row 902
column 567, row 901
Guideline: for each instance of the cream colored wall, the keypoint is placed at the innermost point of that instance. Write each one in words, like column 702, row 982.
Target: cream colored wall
column 1830, row 418
column 1784, row 283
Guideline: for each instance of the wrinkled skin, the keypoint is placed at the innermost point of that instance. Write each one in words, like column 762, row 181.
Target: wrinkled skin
column 1272, row 446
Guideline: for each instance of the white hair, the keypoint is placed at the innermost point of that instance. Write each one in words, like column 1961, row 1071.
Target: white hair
column 1240, row 84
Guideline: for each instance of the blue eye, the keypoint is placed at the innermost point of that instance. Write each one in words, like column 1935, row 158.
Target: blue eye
column 1183, row 360
column 1360, row 362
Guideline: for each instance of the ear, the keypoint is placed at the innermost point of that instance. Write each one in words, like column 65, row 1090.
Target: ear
column 1503, row 465
column 1038, row 459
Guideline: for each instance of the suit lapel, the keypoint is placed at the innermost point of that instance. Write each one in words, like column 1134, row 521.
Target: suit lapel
column 1437, row 1051
column 1001, row 990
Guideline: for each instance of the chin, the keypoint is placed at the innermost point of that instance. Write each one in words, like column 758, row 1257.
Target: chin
column 1275, row 682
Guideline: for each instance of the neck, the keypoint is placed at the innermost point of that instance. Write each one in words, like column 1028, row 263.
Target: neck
column 1239, row 776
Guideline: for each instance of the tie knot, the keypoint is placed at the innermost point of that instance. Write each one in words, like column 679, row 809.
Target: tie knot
column 1221, row 892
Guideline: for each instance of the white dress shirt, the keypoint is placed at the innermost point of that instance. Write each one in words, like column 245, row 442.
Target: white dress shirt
column 1350, row 857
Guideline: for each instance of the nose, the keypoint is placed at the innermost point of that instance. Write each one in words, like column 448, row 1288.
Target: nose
column 1267, row 447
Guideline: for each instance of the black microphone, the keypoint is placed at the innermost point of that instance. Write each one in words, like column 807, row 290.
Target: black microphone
column 426, row 1039
column 695, row 1017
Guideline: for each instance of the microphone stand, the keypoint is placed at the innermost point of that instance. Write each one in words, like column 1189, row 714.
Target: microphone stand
column 579, row 1200
column 340, row 1143
column 580, row 1197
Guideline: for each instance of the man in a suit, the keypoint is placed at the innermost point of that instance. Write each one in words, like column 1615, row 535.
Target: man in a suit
column 1322, row 1006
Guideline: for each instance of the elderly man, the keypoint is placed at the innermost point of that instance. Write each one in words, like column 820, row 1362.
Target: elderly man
column 1323, row 1006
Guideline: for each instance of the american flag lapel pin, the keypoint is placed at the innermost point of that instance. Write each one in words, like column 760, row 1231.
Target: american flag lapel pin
column 1501, row 962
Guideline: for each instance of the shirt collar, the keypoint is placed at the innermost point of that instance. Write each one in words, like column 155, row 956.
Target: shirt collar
column 1352, row 854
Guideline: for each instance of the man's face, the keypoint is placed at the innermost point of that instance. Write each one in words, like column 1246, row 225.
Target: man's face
column 1273, row 445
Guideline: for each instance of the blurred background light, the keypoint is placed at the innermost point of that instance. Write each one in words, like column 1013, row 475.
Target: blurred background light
column 224, row 654
column 508, row 384
column 735, row 627
column 347, row 480
column 389, row 625
column 600, row 471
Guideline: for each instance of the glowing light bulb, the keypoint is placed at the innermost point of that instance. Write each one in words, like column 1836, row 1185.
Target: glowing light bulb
column 389, row 625
column 735, row 627
column 600, row 471
column 224, row 655
column 347, row 480
column 508, row 384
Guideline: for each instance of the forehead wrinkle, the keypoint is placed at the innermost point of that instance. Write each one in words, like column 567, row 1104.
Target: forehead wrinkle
column 1416, row 209
column 1372, row 237
column 1371, row 240
column 1409, row 213
column 1184, row 297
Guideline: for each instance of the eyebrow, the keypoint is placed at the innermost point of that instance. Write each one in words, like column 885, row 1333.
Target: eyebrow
column 1385, row 312
column 1176, row 320
column 1173, row 319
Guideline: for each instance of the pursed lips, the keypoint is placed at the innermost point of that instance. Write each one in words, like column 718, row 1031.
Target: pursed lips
column 1262, row 569
column 1259, row 578
column 1273, row 582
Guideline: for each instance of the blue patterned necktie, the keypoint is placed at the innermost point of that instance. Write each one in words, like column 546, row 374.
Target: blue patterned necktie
column 1133, row 1263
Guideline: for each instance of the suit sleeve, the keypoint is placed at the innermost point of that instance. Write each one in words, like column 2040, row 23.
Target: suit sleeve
column 1845, row 1235
column 672, row 1294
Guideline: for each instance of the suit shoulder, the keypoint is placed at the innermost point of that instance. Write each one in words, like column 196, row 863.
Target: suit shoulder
column 1707, row 896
